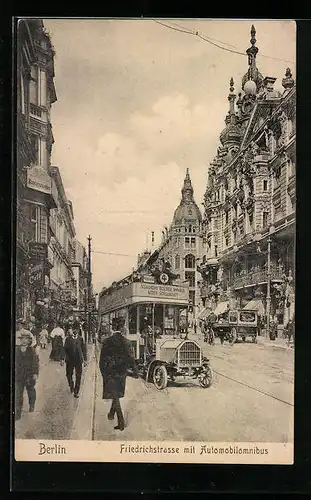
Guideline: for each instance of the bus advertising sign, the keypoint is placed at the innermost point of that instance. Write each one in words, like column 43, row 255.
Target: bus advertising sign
column 161, row 291
column 143, row 292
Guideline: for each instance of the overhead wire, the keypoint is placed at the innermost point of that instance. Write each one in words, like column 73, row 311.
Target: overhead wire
column 212, row 41
column 117, row 254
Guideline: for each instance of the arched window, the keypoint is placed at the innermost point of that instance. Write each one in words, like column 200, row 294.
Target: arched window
column 190, row 261
column 177, row 262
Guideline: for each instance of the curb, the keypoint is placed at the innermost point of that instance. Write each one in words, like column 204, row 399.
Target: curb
column 82, row 423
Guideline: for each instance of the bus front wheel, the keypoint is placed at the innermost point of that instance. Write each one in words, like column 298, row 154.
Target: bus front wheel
column 159, row 377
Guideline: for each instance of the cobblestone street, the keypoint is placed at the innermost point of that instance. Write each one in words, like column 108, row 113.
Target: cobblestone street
column 251, row 399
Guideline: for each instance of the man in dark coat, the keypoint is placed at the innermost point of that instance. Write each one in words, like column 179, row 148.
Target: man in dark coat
column 75, row 357
column 115, row 359
column 26, row 372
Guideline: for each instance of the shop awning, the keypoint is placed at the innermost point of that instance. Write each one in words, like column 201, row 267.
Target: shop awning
column 256, row 305
column 221, row 308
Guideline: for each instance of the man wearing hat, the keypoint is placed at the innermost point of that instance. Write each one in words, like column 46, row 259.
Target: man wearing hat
column 26, row 371
column 115, row 359
column 75, row 357
column 20, row 329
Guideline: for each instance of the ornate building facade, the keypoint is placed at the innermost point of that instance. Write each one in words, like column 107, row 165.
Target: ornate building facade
column 61, row 245
column 182, row 244
column 35, row 95
column 249, row 216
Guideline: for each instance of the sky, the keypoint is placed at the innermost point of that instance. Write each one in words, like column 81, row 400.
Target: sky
column 137, row 104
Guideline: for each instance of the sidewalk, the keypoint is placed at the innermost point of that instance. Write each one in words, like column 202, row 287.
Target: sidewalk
column 83, row 422
column 280, row 343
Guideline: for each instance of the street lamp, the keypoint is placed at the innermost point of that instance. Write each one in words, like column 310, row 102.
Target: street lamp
column 268, row 296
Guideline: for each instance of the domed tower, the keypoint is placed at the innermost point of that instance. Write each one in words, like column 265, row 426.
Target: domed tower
column 186, row 228
column 183, row 245
column 187, row 211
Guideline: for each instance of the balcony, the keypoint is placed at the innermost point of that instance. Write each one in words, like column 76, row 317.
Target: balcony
column 255, row 278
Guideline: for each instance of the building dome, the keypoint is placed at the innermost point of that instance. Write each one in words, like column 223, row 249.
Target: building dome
column 187, row 210
column 250, row 87
column 187, row 213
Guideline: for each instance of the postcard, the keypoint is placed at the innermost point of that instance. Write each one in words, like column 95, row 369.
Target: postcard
column 155, row 245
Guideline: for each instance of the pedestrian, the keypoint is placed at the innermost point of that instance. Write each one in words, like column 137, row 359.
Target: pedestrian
column 75, row 357
column 36, row 330
column 195, row 327
column 43, row 337
column 26, row 372
column 290, row 331
column 115, row 359
column 21, row 327
column 273, row 330
column 58, row 338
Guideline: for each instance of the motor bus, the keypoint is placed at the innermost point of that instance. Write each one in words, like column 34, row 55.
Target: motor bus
column 156, row 324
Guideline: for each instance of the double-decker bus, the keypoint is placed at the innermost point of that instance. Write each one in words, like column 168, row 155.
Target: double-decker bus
column 145, row 306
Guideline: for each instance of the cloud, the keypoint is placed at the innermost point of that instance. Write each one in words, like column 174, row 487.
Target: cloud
column 179, row 130
column 119, row 220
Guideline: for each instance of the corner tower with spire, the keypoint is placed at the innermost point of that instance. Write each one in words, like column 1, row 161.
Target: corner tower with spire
column 182, row 244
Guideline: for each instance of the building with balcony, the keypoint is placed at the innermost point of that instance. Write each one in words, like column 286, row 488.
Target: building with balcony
column 35, row 95
column 249, row 203
column 63, row 286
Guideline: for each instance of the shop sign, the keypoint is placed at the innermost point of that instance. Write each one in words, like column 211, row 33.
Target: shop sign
column 35, row 276
column 39, row 179
column 38, row 251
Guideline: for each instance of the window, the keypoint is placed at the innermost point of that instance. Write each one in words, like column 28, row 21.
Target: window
column 265, row 185
column 177, row 262
column 38, row 88
column 34, row 86
column 227, row 217
column 193, row 230
column 38, row 224
column 192, row 242
column 187, row 242
column 277, row 177
column 227, row 241
column 216, row 250
column 190, row 261
column 251, row 219
column 190, row 276
column 291, row 168
column 190, row 229
column 186, row 230
column 265, row 219
column 248, row 317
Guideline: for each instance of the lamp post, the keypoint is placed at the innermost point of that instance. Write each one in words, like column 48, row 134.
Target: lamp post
column 268, row 298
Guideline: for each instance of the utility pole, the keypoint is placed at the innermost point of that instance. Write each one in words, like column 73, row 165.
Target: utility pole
column 89, row 290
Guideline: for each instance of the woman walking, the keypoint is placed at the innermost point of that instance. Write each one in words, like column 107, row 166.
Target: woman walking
column 43, row 337
column 58, row 338
column 115, row 359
